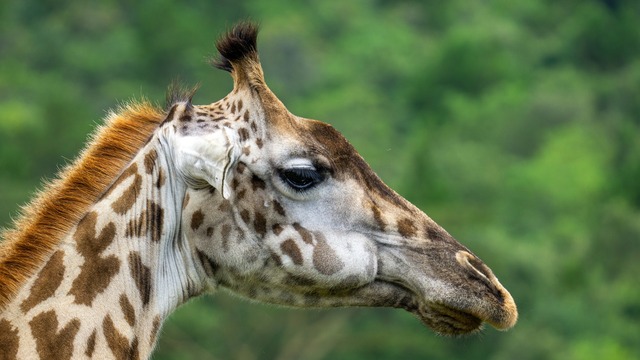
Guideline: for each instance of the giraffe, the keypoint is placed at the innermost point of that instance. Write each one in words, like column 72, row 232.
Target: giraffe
column 240, row 194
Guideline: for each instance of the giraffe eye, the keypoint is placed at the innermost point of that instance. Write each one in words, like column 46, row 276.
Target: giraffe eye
column 301, row 178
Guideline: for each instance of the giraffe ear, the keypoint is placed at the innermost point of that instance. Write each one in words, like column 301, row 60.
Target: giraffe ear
column 208, row 159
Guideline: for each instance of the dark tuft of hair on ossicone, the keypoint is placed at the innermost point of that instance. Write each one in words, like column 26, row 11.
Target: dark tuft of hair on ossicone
column 237, row 44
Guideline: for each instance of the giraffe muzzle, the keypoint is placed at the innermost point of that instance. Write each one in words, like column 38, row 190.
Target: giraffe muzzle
column 505, row 314
column 448, row 288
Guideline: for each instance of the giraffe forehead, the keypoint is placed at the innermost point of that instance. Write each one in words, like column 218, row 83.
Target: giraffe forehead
column 314, row 140
column 345, row 161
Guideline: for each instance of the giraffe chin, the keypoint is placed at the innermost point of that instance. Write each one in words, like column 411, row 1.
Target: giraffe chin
column 446, row 320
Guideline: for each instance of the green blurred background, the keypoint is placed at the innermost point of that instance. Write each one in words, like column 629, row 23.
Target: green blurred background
column 514, row 124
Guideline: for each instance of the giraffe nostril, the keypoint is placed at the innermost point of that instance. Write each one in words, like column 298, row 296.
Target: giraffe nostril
column 480, row 271
column 480, row 267
column 472, row 263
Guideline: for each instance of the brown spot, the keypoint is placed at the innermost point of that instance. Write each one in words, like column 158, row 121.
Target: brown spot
column 52, row 343
column 47, row 282
column 306, row 235
column 185, row 117
column 235, row 183
column 210, row 266
column 118, row 343
column 406, row 228
column 325, row 259
column 130, row 195
column 241, row 167
column 155, row 220
column 436, row 233
column 171, row 113
column 209, row 231
column 9, row 340
column 277, row 229
column 239, row 105
column 260, row 224
column 150, row 161
column 150, row 219
column 244, row 134
column 161, row 179
column 246, row 115
column 259, row 143
column 244, row 214
column 226, row 230
column 141, row 274
column 91, row 344
column 377, row 217
column 155, row 327
column 240, row 194
column 257, row 183
column 279, row 209
column 276, row 258
column 127, row 310
column 197, row 219
column 128, row 172
column 185, row 202
column 233, row 108
column 96, row 272
column 137, row 227
column 246, row 150
column 290, row 248
column 225, row 205
column 254, row 127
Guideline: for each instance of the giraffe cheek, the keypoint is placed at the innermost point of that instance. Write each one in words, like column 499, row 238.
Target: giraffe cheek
column 327, row 260
column 354, row 251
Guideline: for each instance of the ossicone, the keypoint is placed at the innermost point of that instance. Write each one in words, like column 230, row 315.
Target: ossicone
column 178, row 93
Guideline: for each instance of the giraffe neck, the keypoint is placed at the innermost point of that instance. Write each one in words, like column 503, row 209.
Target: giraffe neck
column 106, row 289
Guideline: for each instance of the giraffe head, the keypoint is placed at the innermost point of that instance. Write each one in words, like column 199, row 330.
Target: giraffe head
column 282, row 209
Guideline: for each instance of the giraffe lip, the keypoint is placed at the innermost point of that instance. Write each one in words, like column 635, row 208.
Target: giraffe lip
column 441, row 318
column 447, row 320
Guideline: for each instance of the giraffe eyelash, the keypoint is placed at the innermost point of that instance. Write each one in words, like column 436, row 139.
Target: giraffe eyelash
column 301, row 178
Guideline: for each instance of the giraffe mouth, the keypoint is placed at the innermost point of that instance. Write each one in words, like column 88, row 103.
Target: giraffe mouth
column 442, row 318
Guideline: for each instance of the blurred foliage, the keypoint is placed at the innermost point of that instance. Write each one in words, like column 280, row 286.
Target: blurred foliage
column 515, row 125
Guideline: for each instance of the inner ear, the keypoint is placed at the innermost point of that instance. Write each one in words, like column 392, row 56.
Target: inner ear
column 208, row 159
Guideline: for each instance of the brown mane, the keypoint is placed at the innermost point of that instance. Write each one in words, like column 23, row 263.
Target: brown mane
column 62, row 202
